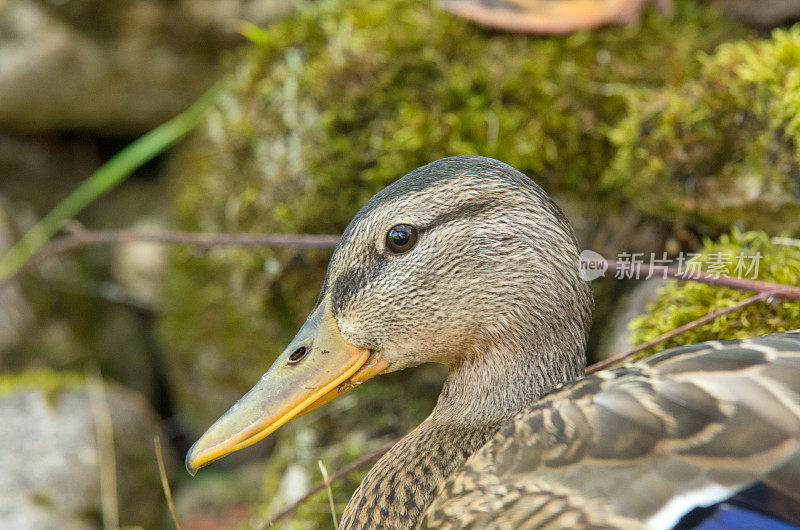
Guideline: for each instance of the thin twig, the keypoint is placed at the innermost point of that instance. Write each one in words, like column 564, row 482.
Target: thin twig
column 80, row 237
column 162, row 471
column 104, row 431
column 786, row 292
column 681, row 329
column 352, row 466
column 327, row 483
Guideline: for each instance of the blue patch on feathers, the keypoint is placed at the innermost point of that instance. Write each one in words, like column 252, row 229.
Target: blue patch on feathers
column 729, row 517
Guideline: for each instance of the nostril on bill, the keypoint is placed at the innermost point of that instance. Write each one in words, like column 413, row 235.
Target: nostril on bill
column 298, row 355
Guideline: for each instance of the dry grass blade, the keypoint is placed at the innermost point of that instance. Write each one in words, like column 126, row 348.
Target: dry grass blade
column 352, row 466
column 107, row 461
column 162, row 471
column 327, row 483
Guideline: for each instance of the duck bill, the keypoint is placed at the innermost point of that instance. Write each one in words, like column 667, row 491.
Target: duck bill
column 316, row 367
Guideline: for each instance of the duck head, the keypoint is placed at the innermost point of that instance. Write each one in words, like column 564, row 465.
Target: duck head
column 465, row 262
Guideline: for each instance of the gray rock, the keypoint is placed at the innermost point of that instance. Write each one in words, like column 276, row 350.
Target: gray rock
column 617, row 337
column 139, row 266
column 112, row 66
column 49, row 466
column 763, row 13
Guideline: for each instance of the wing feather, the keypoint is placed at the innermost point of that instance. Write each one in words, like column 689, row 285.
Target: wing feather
column 640, row 445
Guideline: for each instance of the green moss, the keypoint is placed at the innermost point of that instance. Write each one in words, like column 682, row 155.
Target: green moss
column 42, row 500
column 49, row 382
column 344, row 98
column 681, row 302
column 723, row 147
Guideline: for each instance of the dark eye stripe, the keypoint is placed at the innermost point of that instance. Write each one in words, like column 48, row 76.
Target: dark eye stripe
column 464, row 211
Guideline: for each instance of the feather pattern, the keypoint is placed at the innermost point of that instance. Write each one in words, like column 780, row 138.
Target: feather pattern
column 492, row 289
column 640, row 445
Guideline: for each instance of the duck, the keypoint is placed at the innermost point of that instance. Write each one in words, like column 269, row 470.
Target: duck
column 467, row 262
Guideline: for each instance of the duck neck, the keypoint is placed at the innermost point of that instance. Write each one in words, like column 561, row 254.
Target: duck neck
column 478, row 397
column 493, row 386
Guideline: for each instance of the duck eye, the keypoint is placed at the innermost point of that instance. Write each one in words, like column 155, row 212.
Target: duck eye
column 401, row 238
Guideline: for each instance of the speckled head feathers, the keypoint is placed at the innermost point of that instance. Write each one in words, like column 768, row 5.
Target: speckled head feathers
column 495, row 263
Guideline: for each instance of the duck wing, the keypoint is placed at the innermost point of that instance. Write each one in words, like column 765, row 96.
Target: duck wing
column 644, row 445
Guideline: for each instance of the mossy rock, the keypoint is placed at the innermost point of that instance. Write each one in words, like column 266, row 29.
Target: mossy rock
column 49, row 382
column 722, row 148
column 78, row 309
column 139, row 62
column 681, row 302
column 333, row 104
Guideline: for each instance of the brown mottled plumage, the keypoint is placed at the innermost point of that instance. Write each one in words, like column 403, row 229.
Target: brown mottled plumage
column 612, row 450
column 398, row 488
column 498, row 244
column 491, row 288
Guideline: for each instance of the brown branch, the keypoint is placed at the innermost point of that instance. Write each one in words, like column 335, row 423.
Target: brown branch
column 78, row 237
column 352, row 466
column 681, row 329
column 778, row 290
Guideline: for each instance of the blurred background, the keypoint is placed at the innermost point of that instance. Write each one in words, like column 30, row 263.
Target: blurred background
column 678, row 131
